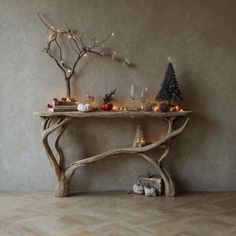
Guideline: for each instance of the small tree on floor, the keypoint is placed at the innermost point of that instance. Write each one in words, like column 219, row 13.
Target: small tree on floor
column 169, row 88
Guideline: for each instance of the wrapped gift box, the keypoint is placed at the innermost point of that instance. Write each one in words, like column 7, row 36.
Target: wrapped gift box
column 152, row 182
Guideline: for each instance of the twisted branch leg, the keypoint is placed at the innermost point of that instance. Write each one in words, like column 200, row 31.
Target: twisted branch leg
column 63, row 184
column 168, row 182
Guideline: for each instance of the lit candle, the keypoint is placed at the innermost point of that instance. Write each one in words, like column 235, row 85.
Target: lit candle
column 181, row 110
column 156, row 108
column 177, row 108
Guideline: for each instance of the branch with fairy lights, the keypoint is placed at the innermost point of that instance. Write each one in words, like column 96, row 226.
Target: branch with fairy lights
column 78, row 45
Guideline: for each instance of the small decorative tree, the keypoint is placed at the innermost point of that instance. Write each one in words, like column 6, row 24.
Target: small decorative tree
column 77, row 44
column 138, row 138
column 169, row 87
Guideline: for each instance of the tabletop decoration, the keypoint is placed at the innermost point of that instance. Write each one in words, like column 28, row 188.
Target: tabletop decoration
column 107, row 105
column 84, row 107
column 62, row 105
column 139, row 138
column 56, row 49
column 169, row 89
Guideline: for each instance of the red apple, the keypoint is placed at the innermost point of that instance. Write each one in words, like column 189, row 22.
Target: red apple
column 106, row 106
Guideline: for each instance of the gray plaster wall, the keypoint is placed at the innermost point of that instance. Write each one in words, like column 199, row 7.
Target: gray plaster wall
column 200, row 36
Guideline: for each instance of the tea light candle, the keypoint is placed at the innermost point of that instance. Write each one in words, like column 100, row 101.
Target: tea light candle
column 156, row 108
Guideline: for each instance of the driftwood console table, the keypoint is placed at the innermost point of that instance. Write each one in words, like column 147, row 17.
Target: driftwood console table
column 59, row 120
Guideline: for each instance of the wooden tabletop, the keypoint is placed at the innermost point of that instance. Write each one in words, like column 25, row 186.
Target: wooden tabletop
column 111, row 114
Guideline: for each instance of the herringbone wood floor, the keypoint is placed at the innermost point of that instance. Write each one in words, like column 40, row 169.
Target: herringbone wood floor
column 116, row 214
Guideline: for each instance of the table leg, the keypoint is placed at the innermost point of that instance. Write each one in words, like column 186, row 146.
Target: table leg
column 48, row 127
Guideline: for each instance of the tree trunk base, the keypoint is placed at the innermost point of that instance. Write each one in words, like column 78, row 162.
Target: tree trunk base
column 171, row 192
column 63, row 188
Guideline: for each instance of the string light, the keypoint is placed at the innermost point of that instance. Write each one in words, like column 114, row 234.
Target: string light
column 54, row 34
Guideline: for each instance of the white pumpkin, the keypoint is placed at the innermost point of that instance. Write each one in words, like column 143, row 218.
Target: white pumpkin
column 138, row 189
column 84, row 107
column 150, row 192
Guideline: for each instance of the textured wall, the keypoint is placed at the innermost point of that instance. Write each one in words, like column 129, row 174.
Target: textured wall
column 199, row 35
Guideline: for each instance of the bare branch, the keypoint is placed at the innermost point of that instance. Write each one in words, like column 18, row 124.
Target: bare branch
column 104, row 40
column 43, row 21
column 60, row 51
column 94, row 52
column 81, row 40
column 73, row 68
column 76, row 44
column 71, row 44
column 72, row 37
